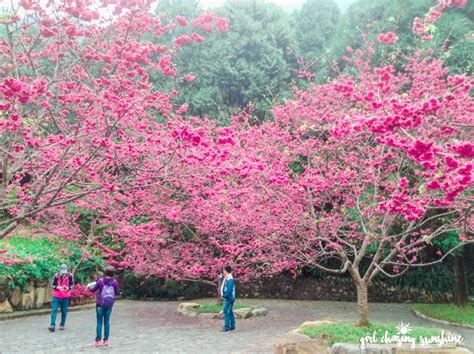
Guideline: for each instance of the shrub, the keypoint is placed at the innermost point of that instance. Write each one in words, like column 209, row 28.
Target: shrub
column 81, row 295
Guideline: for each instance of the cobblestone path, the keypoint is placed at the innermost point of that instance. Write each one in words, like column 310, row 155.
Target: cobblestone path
column 154, row 327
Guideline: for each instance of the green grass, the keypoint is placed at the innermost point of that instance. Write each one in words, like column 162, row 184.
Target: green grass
column 349, row 333
column 448, row 312
column 215, row 308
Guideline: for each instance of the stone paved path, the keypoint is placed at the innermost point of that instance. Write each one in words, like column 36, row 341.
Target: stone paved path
column 154, row 327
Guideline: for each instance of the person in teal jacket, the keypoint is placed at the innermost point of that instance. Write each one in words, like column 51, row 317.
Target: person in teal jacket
column 228, row 299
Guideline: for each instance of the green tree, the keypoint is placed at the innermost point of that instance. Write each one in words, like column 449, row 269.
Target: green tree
column 246, row 66
column 316, row 25
column 454, row 31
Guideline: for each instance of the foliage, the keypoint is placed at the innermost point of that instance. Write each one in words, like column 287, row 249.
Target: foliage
column 348, row 333
column 248, row 67
column 448, row 312
column 81, row 295
column 431, row 283
column 40, row 258
column 315, row 27
column 140, row 287
column 366, row 19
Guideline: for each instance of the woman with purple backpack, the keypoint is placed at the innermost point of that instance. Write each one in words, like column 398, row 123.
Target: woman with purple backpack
column 106, row 289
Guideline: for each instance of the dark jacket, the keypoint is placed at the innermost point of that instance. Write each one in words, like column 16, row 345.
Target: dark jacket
column 99, row 285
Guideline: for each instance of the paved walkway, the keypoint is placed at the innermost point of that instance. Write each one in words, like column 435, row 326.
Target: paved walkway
column 154, row 327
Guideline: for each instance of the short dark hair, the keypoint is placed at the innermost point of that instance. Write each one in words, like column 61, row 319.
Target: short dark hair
column 228, row 268
column 109, row 271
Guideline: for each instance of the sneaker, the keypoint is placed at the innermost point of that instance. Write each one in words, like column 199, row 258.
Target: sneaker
column 224, row 330
column 232, row 329
column 51, row 328
column 97, row 343
column 61, row 328
column 106, row 342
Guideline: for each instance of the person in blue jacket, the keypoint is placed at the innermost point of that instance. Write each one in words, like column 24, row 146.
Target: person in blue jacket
column 228, row 299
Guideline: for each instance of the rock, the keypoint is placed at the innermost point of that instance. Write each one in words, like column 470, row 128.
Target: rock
column 259, row 311
column 219, row 315
column 40, row 283
column 40, row 294
column 185, row 308
column 298, row 344
column 48, row 298
column 5, row 307
column 28, row 298
column 181, row 298
column 4, row 292
column 315, row 323
column 15, row 297
column 243, row 313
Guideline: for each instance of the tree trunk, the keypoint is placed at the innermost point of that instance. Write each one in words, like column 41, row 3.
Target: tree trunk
column 363, row 304
column 219, row 297
column 460, row 293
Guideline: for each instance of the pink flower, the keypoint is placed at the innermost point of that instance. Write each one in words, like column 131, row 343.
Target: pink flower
column 433, row 185
column 451, row 162
column 456, row 3
column 182, row 21
column 222, row 24
column 387, row 38
column 189, row 77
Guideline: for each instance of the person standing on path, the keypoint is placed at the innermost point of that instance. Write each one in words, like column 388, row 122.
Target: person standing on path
column 62, row 284
column 228, row 298
column 107, row 289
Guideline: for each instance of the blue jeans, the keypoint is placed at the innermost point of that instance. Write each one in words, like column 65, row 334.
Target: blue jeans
column 103, row 315
column 229, row 318
column 63, row 303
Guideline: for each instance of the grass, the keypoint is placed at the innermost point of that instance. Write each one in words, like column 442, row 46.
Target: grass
column 448, row 312
column 215, row 308
column 343, row 332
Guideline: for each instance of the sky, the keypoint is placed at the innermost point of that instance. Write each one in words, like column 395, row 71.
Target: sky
column 288, row 5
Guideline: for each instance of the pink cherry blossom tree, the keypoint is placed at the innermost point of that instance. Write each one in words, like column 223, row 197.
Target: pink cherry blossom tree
column 78, row 115
column 362, row 173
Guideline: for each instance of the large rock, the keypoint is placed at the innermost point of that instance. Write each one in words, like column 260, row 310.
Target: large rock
column 40, row 294
column 185, row 308
column 299, row 344
column 259, row 311
column 41, row 283
column 48, row 298
column 243, row 313
column 315, row 323
column 15, row 297
column 28, row 297
column 4, row 292
column 5, row 307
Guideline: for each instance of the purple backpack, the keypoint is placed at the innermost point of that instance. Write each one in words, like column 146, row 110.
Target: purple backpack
column 107, row 296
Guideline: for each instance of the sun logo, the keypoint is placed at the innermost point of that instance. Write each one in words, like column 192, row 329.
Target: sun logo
column 403, row 328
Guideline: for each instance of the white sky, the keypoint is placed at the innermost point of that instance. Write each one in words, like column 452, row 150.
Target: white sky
column 287, row 4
